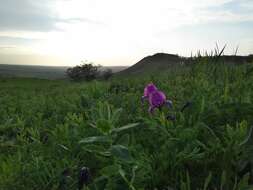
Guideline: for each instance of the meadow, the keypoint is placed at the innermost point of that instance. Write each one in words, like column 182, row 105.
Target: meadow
column 58, row 134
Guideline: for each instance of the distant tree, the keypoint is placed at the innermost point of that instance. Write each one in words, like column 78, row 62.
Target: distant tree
column 85, row 71
column 107, row 74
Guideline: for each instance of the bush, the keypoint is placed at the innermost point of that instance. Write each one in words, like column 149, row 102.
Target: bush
column 85, row 71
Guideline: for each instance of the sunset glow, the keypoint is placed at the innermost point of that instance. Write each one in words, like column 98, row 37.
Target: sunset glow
column 113, row 32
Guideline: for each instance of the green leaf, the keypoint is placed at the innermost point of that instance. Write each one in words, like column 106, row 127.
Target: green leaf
column 133, row 174
column 105, row 153
column 95, row 139
column 129, row 126
column 124, row 140
column 64, row 147
column 103, row 125
column 223, row 179
column 243, row 184
column 109, row 171
column 116, row 114
column 188, row 181
column 207, row 181
column 249, row 137
column 121, row 152
column 123, row 174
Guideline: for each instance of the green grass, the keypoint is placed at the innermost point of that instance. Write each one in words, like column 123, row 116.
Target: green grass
column 49, row 130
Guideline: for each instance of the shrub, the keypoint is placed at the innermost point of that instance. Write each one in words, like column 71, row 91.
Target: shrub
column 85, row 71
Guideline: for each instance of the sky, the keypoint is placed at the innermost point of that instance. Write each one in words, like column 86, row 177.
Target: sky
column 117, row 32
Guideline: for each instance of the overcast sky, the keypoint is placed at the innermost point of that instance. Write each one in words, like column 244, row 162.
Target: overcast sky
column 117, row 32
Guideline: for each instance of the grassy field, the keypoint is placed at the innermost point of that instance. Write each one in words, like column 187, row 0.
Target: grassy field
column 51, row 130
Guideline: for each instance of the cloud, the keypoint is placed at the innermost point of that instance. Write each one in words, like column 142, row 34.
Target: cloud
column 26, row 15
column 6, row 47
column 31, row 15
column 16, row 40
column 237, row 6
column 103, row 30
column 221, row 16
column 231, row 11
column 19, row 45
column 56, row 15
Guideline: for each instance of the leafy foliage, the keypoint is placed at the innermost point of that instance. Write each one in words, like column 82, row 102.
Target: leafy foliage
column 85, row 71
column 53, row 132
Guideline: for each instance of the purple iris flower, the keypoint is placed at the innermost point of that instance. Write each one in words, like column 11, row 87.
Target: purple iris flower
column 155, row 98
column 149, row 89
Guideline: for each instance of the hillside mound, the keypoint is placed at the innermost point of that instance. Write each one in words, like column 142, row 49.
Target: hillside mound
column 153, row 63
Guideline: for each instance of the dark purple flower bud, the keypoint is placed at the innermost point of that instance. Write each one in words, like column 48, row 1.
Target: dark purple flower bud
column 169, row 104
column 66, row 172
column 171, row 117
column 149, row 89
column 84, row 177
column 64, row 179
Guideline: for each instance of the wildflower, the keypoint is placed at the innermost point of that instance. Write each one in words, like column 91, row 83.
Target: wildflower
column 84, row 177
column 158, row 99
column 155, row 98
column 149, row 89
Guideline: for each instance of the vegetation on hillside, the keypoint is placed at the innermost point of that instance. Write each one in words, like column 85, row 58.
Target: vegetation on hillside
column 98, row 135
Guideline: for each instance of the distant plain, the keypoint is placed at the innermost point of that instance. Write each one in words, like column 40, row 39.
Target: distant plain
column 42, row 72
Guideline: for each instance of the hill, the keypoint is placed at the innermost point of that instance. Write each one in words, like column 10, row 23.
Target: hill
column 163, row 61
column 156, row 62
